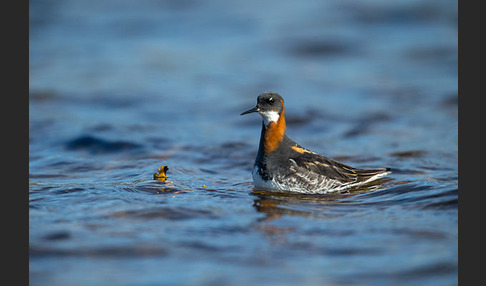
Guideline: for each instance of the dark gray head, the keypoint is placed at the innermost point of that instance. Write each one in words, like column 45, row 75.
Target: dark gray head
column 270, row 105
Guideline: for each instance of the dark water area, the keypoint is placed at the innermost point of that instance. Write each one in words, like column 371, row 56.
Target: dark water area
column 120, row 88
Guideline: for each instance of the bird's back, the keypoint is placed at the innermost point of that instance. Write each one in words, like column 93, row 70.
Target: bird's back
column 300, row 168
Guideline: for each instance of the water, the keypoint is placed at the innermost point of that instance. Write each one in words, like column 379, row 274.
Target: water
column 119, row 88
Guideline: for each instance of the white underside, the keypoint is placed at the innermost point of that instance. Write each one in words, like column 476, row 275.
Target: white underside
column 325, row 186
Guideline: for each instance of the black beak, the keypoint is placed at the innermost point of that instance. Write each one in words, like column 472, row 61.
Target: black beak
column 254, row 109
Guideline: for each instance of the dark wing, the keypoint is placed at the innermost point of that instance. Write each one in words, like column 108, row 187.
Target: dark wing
column 319, row 164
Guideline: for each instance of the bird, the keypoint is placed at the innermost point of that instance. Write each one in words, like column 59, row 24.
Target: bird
column 283, row 165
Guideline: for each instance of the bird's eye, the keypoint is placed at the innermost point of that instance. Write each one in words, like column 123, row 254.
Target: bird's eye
column 271, row 100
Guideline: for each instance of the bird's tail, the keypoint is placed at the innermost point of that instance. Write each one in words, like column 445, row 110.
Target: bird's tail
column 366, row 175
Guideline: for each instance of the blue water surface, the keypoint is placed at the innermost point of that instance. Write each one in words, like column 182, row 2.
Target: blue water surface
column 119, row 88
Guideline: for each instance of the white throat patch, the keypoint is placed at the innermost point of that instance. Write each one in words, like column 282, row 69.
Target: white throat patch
column 269, row 116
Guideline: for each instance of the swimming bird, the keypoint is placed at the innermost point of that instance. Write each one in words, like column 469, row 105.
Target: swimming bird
column 282, row 164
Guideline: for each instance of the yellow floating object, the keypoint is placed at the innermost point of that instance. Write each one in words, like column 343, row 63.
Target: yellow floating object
column 161, row 176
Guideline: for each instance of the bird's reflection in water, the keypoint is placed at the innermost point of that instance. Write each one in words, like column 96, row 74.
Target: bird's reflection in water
column 275, row 204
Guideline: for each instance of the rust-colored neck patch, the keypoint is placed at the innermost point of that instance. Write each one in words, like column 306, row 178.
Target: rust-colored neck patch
column 274, row 133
